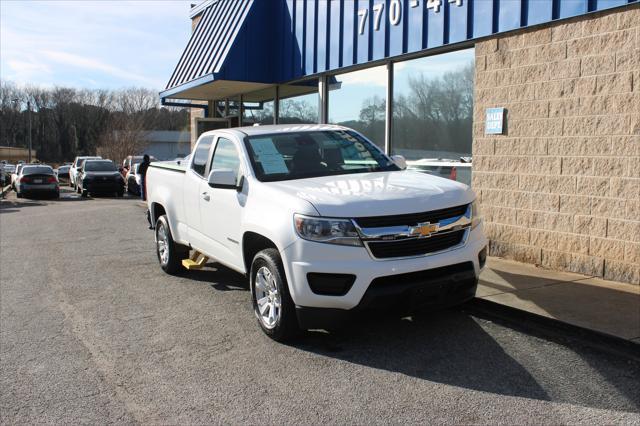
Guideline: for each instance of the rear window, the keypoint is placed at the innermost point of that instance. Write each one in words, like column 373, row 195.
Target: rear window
column 99, row 166
column 37, row 170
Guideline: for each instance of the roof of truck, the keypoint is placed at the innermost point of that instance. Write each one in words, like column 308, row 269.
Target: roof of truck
column 277, row 128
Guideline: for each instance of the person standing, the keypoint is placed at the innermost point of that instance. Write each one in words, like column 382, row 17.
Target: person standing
column 142, row 171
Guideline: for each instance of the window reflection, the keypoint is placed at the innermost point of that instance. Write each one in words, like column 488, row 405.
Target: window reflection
column 299, row 103
column 432, row 113
column 358, row 100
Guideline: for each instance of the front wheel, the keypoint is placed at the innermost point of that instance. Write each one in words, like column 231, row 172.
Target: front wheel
column 170, row 254
column 272, row 303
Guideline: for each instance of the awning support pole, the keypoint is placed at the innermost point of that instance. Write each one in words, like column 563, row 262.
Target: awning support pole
column 323, row 89
column 276, row 106
column 388, row 128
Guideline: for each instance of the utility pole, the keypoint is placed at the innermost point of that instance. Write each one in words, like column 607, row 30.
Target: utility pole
column 29, row 109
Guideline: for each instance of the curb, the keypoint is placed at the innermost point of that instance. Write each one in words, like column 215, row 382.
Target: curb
column 550, row 327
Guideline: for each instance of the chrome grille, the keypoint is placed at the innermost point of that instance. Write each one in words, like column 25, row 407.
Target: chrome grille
column 416, row 234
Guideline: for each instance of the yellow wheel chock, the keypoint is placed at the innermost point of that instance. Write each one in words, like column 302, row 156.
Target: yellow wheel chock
column 193, row 262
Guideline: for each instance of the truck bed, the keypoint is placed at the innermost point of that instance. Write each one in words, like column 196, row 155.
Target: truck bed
column 169, row 165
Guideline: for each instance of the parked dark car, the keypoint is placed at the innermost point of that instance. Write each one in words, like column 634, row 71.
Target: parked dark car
column 100, row 177
column 37, row 180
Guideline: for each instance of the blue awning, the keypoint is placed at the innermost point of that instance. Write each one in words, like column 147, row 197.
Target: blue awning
column 209, row 45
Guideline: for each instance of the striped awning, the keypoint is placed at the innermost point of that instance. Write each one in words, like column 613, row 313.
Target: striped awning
column 210, row 42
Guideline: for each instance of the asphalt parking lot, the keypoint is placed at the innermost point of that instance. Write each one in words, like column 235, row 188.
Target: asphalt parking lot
column 92, row 331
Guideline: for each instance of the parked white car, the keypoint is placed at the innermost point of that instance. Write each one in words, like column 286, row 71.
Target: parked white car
column 73, row 171
column 322, row 222
column 15, row 174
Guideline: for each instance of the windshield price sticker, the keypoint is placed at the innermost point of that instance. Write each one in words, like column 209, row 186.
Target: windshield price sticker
column 395, row 12
column 268, row 156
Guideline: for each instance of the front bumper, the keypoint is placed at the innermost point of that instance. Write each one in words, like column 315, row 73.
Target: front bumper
column 103, row 186
column 305, row 257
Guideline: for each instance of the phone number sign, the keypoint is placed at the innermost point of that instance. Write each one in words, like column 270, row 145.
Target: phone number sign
column 395, row 12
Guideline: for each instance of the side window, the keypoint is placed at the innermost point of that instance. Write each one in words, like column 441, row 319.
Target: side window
column 201, row 156
column 226, row 157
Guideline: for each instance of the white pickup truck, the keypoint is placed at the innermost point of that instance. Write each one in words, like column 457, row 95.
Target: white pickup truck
column 321, row 220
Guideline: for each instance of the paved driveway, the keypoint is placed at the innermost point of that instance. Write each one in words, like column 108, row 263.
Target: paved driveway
column 92, row 331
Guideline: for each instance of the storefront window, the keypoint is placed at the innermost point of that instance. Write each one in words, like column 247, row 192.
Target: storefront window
column 358, row 100
column 258, row 113
column 432, row 113
column 299, row 103
column 258, row 107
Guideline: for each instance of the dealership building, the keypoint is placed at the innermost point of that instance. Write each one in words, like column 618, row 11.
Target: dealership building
column 535, row 103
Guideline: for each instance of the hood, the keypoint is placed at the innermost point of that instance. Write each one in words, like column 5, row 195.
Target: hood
column 378, row 194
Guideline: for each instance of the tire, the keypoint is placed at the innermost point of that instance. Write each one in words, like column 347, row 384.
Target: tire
column 19, row 194
column 170, row 254
column 267, row 268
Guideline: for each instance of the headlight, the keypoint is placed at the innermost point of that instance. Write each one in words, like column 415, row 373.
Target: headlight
column 326, row 230
column 476, row 217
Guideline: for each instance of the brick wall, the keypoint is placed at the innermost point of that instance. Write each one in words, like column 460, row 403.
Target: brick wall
column 561, row 187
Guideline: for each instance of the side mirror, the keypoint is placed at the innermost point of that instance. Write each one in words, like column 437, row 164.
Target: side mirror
column 223, row 179
column 400, row 161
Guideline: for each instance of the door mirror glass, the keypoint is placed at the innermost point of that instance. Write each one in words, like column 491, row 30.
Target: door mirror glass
column 400, row 161
column 223, row 178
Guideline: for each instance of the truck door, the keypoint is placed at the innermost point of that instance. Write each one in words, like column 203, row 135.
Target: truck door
column 194, row 177
column 221, row 210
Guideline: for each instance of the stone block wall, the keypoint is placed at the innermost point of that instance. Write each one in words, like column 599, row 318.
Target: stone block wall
column 561, row 187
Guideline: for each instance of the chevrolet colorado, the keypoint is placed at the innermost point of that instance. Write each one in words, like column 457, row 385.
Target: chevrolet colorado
column 321, row 220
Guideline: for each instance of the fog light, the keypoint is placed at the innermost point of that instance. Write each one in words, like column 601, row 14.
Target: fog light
column 330, row 284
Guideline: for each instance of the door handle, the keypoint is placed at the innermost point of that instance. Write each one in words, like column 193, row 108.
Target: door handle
column 205, row 196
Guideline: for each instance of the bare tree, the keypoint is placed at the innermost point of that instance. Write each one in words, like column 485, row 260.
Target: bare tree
column 135, row 109
column 68, row 122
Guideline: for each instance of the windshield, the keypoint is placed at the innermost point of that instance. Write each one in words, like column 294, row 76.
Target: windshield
column 37, row 170
column 298, row 155
column 99, row 166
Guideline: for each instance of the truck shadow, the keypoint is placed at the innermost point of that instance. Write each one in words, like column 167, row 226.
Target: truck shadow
column 220, row 278
column 454, row 348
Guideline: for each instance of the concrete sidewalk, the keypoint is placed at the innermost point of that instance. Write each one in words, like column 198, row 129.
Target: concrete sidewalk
column 593, row 303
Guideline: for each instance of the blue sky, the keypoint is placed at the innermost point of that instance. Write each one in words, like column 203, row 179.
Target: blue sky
column 92, row 44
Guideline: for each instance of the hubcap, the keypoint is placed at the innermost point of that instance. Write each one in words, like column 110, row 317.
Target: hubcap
column 162, row 240
column 268, row 299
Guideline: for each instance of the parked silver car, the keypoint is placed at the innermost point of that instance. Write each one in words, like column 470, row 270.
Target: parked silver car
column 37, row 180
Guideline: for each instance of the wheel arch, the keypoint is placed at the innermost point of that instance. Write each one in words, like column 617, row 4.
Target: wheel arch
column 157, row 210
column 252, row 244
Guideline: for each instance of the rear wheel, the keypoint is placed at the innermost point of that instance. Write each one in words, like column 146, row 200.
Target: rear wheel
column 170, row 254
column 272, row 303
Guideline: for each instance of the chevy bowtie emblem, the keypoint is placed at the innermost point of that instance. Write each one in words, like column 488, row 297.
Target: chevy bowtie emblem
column 424, row 229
